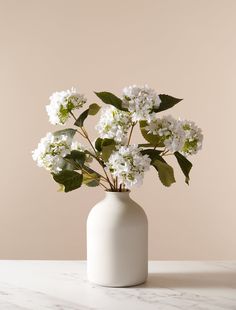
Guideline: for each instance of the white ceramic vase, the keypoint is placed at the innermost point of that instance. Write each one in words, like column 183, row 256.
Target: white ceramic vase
column 117, row 242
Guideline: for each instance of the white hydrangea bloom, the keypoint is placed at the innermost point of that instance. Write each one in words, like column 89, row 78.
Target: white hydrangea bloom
column 140, row 101
column 61, row 103
column 51, row 150
column 114, row 124
column 193, row 138
column 169, row 130
column 128, row 165
column 177, row 135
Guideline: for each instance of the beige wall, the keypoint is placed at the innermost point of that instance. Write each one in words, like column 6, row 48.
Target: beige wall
column 185, row 48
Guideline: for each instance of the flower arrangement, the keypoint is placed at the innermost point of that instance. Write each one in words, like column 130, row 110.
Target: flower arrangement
column 122, row 163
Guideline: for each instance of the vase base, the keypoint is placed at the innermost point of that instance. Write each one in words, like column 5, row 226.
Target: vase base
column 118, row 285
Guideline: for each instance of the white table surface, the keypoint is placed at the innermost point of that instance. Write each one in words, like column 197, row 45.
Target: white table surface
column 172, row 285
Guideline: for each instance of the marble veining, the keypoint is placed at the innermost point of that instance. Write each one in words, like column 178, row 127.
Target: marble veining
column 172, row 285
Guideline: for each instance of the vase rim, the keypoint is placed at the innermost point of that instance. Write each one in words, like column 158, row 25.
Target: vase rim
column 117, row 193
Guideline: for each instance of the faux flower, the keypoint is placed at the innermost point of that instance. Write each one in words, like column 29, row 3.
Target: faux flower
column 120, row 164
column 193, row 138
column 140, row 101
column 51, row 150
column 128, row 165
column 177, row 135
column 114, row 124
column 170, row 132
column 62, row 103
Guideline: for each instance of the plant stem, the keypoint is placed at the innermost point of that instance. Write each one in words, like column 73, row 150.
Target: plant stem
column 84, row 170
column 108, row 179
column 131, row 131
column 106, row 188
column 95, row 157
column 114, row 181
column 91, row 175
column 164, row 153
column 72, row 114
column 80, row 133
column 99, row 161
column 85, row 135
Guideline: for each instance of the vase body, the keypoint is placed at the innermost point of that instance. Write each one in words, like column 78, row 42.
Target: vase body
column 117, row 242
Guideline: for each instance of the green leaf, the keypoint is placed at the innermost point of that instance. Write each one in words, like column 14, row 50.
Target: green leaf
column 108, row 146
column 165, row 172
column 76, row 158
column 90, row 181
column 167, row 102
column 145, row 145
column 80, row 120
column 155, row 140
column 90, row 177
column 61, row 188
column 105, row 146
column 107, row 151
column 90, row 170
column 92, row 110
column 153, row 155
column 184, row 164
column 68, row 164
column 107, row 142
column 68, row 132
column 69, row 178
column 110, row 98
column 98, row 144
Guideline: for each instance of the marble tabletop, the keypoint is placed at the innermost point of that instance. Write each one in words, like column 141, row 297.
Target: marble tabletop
column 172, row 285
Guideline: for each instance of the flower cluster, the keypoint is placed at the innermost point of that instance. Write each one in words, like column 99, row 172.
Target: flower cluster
column 141, row 102
column 62, row 104
column 122, row 164
column 193, row 138
column 128, row 165
column 114, row 124
column 52, row 149
column 177, row 135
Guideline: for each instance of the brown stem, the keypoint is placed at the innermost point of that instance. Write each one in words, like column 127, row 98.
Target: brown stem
column 85, row 135
column 131, row 131
column 80, row 133
column 83, row 170
column 164, row 153
column 106, row 188
column 91, row 175
column 99, row 161
column 72, row 114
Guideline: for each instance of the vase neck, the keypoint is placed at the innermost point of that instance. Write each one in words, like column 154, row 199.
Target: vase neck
column 117, row 195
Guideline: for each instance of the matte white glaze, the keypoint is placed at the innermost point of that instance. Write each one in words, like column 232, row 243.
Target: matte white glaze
column 117, row 242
